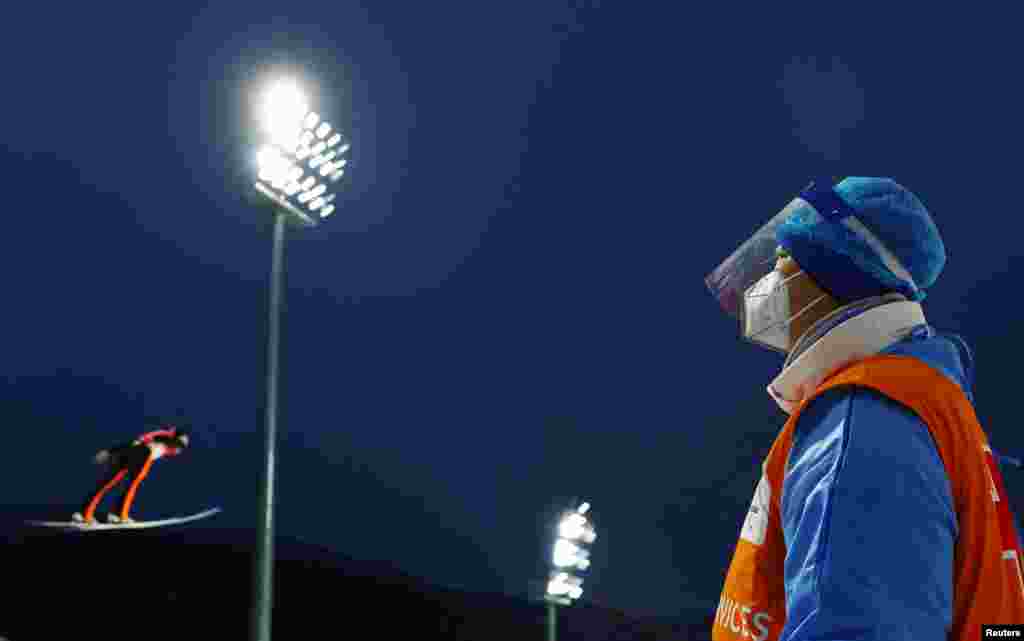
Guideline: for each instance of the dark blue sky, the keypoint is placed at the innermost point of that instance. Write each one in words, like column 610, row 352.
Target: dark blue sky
column 508, row 307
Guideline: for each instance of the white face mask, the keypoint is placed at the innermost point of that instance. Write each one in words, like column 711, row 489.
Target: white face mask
column 766, row 312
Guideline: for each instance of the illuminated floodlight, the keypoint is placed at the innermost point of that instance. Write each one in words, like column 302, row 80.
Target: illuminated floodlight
column 274, row 168
column 269, row 158
column 295, row 143
column 282, row 113
column 279, row 181
column 301, row 148
column 567, row 554
column 564, row 584
column 574, row 527
column 334, row 169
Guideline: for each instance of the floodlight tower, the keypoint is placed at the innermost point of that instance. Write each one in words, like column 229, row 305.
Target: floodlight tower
column 569, row 555
column 300, row 160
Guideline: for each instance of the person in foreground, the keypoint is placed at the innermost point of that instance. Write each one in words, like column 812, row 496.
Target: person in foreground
column 132, row 460
column 881, row 511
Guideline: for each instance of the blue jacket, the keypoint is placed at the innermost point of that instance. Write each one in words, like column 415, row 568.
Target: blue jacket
column 854, row 449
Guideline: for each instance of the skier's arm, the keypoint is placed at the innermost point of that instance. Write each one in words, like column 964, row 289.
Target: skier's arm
column 869, row 523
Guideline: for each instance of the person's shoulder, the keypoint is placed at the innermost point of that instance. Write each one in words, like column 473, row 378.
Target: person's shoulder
column 902, row 378
column 939, row 353
column 856, row 423
column 849, row 405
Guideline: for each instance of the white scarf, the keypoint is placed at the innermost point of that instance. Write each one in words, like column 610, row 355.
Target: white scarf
column 864, row 335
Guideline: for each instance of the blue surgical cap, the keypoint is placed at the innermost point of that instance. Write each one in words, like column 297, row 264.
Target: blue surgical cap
column 864, row 237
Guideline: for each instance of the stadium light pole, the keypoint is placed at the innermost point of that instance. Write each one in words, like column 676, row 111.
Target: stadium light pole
column 300, row 158
column 569, row 555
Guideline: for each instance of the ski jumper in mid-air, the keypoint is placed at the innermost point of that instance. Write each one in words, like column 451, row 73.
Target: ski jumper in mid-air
column 130, row 460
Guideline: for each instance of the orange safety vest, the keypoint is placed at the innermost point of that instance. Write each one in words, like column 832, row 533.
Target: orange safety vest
column 988, row 580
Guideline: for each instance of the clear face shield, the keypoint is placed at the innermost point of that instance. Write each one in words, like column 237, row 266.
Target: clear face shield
column 765, row 301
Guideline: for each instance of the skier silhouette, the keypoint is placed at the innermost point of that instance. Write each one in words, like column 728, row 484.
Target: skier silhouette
column 132, row 459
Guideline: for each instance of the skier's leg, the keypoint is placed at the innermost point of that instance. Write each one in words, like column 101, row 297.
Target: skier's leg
column 111, row 479
column 140, row 473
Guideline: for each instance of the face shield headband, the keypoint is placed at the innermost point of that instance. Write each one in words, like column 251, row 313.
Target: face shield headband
column 755, row 258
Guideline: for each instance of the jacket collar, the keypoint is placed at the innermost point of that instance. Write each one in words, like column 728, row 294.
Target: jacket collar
column 849, row 334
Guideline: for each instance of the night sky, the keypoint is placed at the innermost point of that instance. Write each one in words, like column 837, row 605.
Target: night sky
column 508, row 309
